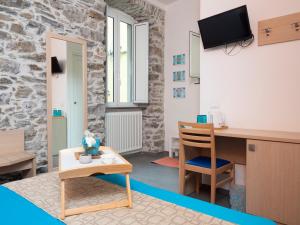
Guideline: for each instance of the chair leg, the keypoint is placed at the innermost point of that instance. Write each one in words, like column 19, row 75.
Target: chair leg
column 181, row 180
column 232, row 174
column 213, row 182
column 198, row 182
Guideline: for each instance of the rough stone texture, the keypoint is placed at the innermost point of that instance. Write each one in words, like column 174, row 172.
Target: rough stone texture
column 153, row 114
column 17, row 28
column 23, row 28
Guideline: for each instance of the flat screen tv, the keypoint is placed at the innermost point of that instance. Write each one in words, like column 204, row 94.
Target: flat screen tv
column 224, row 28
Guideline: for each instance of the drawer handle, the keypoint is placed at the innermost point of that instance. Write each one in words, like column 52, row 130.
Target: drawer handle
column 251, row 147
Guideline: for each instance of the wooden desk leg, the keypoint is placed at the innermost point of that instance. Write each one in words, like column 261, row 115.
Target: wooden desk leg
column 128, row 191
column 62, row 199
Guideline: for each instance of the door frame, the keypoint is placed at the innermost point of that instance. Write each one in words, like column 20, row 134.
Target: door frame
column 51, row 35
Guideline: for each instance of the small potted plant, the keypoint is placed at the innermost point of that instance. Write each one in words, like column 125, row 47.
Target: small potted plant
column 91, row 145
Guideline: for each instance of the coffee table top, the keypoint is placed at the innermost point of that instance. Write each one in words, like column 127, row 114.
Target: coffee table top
column 109, row 163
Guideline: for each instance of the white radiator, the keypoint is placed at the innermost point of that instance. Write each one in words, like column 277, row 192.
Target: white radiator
column 123, row 131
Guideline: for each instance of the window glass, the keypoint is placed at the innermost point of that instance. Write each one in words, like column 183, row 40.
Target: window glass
column 125, row 63
column 110, row 60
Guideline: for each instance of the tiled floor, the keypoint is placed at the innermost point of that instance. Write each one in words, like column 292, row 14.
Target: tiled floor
column 165, row 177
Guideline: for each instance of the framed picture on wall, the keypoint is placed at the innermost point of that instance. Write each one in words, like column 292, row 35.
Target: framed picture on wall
column 179, row 92
column 179, row 75
column 179, row 59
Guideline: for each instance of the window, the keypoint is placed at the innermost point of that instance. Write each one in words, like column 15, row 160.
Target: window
column 119, row 58
column 127, row 54
column 110, row 59
column 125, row 62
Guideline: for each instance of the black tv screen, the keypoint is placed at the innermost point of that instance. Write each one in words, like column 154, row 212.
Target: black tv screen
column 224, row 28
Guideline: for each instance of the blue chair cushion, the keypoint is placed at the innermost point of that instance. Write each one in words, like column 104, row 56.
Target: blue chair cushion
column 203, row 161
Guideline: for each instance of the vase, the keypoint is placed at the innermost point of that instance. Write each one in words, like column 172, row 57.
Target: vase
column 94, row 150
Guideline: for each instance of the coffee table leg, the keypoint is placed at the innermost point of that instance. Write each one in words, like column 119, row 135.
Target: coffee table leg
column 62, row 199
column 128, row 191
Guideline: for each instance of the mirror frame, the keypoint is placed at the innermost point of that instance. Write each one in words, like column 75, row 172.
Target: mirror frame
column 191, row 34
column 51, row 35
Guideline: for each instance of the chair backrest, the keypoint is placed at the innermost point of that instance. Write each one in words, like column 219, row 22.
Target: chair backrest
column 11, row 141
column 198, row 135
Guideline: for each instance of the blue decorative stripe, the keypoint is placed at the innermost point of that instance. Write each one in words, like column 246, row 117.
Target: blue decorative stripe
column 16, row 210
column 190, row 203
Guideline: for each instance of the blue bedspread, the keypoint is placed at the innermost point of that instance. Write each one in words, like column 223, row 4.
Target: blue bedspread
column 16, row 210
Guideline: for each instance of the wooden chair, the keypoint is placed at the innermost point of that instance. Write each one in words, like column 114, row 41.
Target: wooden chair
column 12, row 155
column 201, row 136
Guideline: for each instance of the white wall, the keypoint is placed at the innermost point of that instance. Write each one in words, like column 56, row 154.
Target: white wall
column 181, row 17
column 260, row 87
column 59, row 81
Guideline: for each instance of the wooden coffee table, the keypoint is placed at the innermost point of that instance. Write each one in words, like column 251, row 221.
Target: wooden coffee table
column 69, row 167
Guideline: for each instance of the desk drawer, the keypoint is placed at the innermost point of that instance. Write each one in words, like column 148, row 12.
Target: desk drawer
column 273, row 180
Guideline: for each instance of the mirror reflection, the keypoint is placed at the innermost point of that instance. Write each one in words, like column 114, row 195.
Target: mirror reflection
column 67, row 96
column 194, row 55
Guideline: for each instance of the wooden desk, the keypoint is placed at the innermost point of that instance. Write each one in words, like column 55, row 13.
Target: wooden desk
column 272, row 160
column 264, row 135
column 231, row 143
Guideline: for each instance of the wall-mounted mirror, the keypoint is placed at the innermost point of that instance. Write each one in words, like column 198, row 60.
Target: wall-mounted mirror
column 194, row 55
column 66, row 94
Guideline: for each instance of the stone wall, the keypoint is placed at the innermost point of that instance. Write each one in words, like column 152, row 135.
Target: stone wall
column 23, row 28
column 153, row 114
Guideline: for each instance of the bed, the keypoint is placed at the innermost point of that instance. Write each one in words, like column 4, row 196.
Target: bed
column 37, row 201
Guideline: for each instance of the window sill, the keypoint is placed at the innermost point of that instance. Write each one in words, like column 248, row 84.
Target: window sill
column 121, row 106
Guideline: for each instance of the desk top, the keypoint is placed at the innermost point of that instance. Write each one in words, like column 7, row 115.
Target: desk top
column 266, row 135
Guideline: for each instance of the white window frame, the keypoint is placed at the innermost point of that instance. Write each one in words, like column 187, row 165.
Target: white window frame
column 118, row 17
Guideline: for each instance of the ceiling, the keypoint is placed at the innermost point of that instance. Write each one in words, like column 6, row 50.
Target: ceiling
column 166, row 2
column 163, row 4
